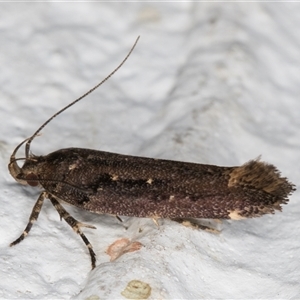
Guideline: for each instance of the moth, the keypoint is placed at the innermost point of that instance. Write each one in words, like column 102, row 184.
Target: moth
column 124, row 185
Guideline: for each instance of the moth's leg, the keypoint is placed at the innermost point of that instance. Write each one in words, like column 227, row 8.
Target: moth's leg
column 194, row 224
column 75, row 226
column 33, row 217
column 119, row 219
column 155, row 221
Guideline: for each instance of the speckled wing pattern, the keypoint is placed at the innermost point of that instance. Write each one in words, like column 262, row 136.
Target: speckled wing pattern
column 116, row 184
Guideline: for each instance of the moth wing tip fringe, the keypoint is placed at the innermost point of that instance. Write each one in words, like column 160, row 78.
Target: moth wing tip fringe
column 272, row 189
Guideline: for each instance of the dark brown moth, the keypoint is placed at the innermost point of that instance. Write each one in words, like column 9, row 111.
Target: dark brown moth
column 123, row 185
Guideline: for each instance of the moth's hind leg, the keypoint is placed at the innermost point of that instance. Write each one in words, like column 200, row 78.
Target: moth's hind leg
column 75, row 226
column 33, row 217
column 189, row 222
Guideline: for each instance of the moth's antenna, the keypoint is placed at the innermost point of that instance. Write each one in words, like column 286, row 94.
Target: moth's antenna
column 29, row 140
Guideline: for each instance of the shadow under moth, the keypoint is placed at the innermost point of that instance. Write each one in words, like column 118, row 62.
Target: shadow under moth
column 123, row 185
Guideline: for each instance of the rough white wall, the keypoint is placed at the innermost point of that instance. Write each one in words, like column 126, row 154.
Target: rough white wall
column 208, row 82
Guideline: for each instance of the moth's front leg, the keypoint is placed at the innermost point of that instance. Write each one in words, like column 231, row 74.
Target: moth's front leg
column 75, row 226
column 33, row 217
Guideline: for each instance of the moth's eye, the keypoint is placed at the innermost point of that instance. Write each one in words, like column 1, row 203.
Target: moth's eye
column 32, row 179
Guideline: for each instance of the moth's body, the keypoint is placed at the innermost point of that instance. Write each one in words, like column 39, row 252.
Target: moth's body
column 117, row 184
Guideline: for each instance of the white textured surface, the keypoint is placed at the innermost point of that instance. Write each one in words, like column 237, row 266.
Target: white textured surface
column 215, row 83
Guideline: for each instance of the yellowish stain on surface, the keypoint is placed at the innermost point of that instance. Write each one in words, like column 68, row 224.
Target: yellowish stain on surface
column 136, row 289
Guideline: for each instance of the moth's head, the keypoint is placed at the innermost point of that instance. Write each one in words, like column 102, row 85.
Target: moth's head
column 24, row 175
